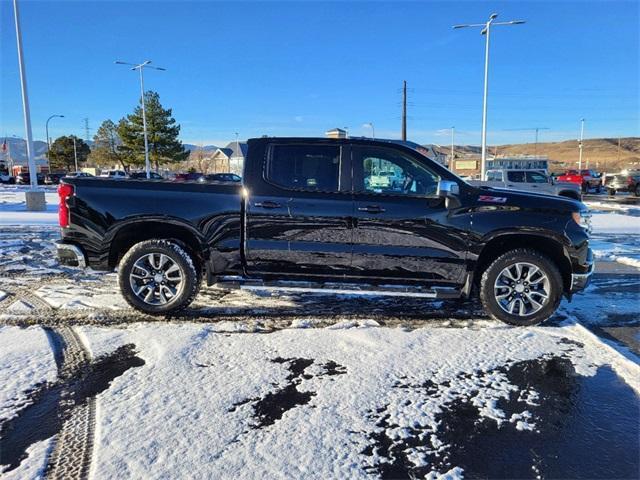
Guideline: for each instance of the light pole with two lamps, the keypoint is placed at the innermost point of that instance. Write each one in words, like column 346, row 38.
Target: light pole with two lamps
column 486, row 30
column 141, row 67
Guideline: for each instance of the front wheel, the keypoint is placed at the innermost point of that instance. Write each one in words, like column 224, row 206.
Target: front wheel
column 158, row 277
column 521, row 287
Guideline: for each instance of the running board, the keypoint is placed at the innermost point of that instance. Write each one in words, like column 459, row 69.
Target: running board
column 339, row 288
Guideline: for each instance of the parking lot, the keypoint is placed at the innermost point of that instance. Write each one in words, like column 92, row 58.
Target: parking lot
column 338, row 386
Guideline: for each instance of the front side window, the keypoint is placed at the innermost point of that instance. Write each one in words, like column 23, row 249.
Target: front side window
column 305, row 167
column 536, row 177
column 391, row 172
column 516, row 176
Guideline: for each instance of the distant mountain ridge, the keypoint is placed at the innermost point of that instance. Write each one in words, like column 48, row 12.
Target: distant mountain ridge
column 600, row 153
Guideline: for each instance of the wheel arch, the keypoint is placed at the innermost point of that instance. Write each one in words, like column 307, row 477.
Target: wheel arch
column 570, row 194
column 546, row 245
column 131, row 233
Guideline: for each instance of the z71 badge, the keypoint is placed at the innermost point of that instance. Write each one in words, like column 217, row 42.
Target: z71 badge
column 491, row 199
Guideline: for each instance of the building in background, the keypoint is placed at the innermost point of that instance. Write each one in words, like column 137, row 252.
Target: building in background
column 229, row 159
column 336, row 133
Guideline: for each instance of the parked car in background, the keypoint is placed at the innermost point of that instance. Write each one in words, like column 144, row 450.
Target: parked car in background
column 188, row 177
column 114, row 174
column 533, row 181
column 143, row 176
column 586, row 179
column 220, row 177
column 306, row 220
column 24, row 178
column 7, row 178
column 625, row 181
column 53, row 178
column 78, row 175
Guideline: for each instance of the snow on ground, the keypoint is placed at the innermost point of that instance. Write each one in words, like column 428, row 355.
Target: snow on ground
column 157, row 420
column 13, row 208
column 26, row 361
column 616, row 238
column 615, row 223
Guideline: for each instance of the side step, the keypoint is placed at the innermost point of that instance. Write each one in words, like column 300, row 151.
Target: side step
column 333, row 288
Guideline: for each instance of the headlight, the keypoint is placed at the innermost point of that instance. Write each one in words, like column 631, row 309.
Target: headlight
column 583, row 219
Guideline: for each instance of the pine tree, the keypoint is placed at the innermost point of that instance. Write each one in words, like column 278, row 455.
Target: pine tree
column 162, row 131
column 61, row 154
column 106, row 147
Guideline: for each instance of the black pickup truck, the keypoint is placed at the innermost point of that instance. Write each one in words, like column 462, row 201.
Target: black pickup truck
column 346, row 216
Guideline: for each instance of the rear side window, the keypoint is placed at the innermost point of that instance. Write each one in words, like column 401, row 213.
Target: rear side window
column 515, row 176
column 494, row 176
column 536, row 177
column 305, row 167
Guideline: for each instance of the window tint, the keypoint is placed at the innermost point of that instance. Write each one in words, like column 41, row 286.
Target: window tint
column 515, row 176
column 536, row 177
column 306, row 167
column 391, row 172
column 494, row 176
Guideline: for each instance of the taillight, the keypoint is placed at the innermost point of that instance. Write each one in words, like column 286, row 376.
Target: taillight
column 64, row 191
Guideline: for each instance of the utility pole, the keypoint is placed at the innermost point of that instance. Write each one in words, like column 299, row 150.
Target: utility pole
column 86, row 130
column 141, row 67
column 580, row 143
column 35, row 199
column 486, row 31
column 404, row 110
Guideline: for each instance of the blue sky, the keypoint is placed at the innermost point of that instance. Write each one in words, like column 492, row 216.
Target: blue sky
column 300, row 68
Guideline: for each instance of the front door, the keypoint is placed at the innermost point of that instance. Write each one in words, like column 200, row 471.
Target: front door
column 402, row 230
column 299, row 219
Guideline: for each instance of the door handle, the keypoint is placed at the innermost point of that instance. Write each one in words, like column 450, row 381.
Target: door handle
column 267, row 204
column 371, row 209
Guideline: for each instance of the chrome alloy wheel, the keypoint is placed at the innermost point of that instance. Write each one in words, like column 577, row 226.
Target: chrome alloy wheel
column 156, row 279
column 522, row 289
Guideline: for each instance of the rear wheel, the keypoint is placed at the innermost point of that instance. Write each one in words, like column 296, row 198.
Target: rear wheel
column 521, row 287
column 158, row 277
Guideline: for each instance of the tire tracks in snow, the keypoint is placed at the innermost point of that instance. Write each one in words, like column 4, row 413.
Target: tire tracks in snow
column 70, row 456
column 72, row 450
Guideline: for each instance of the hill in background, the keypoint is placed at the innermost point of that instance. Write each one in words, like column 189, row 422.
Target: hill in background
column 600, row 153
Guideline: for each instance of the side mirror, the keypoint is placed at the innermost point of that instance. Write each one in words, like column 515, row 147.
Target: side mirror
column 447, row 189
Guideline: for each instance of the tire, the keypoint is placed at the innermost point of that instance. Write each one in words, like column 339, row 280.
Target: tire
column 599, row 188
column 159, row 291
column 552, row 286
column 611, row 191
column 585, row 188
column 636, row 192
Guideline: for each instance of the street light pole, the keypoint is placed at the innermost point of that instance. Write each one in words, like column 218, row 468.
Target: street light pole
column 46, row 127
column 373, row 130
column 140, row 67
column 580, row 143
column 33, row 177
column 75, row 152
column 486, row 30
column 453, row 130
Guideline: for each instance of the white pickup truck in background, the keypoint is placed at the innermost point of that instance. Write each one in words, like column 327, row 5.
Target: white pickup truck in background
column 534, row 181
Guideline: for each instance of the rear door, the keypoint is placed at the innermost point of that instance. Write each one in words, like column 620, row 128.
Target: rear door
column 299, row 216
column 402, row 230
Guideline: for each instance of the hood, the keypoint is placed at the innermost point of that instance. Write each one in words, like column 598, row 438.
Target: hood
column 516, row 198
